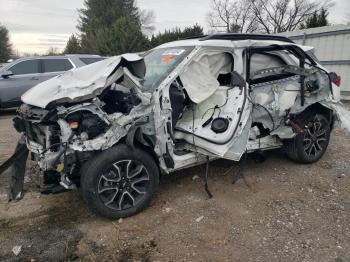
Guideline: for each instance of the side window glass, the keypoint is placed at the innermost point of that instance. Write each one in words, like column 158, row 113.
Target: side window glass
column 26, row 67
column 56, row 65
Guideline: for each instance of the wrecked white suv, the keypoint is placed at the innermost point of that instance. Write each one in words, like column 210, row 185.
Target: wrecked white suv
column 111, row 128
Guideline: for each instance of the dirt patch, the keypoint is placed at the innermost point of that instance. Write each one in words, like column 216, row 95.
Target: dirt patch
column 280, row 211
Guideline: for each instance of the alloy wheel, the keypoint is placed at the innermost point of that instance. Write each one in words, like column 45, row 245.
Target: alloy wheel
column 315, row 138
column 124, row 185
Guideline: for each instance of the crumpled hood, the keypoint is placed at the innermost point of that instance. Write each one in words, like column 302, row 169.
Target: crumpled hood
column 85, row 82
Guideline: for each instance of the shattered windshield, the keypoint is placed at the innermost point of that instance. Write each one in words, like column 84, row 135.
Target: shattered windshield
column 160, row 63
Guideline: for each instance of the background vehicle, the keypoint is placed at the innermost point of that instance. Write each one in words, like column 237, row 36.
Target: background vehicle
column 22, row 74
column 114, row 126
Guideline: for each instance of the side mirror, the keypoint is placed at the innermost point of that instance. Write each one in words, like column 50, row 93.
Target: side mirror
column 7, row 74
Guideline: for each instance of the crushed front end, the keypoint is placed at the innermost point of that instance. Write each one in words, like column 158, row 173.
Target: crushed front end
column 63, row 134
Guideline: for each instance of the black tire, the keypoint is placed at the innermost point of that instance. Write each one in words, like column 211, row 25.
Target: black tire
column 308, row 147
column 119, row 182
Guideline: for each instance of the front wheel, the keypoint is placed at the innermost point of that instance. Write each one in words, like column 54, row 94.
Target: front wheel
column 120, row 182
column 309, row 146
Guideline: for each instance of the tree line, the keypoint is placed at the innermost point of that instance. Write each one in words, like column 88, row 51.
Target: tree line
column 267, row 16
column 113, row 27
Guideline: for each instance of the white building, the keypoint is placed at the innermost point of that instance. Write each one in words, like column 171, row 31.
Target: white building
column 332, row 44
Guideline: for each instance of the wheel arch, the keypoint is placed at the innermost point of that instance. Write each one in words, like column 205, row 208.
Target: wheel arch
column 321, row 109
column 136, row 138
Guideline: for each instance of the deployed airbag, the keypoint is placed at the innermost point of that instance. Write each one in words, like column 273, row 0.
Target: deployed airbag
column 200, row 77
column 260, row 62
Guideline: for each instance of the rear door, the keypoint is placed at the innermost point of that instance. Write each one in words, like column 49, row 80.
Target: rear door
column 52, row 67
column 282, row 78
column 26, row 75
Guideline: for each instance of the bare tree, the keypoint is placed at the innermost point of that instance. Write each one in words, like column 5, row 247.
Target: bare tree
column 221, row 16
column 52, row 51
column 267, row 16
column 147, row 19
column 243, row 17
column 347, row 19
column 275, row 16
column 235, row 16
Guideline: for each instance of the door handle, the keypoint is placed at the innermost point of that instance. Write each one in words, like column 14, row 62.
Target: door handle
column 34, row 78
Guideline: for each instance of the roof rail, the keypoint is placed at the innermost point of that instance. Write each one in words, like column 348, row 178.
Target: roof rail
column 238, row 37
column 194, row 37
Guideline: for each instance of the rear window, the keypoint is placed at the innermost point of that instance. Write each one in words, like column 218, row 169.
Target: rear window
column 56, row 65
column 90, row 60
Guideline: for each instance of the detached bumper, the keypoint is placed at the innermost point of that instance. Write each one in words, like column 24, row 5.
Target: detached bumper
column 18, row 163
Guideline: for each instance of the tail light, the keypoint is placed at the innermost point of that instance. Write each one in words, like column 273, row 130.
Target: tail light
column 336, row 79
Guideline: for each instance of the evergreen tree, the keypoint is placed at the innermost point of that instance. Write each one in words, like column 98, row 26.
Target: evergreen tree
column 176, row 34
column 195, row 30
column 99, row 16
column 317, row 19
column 73, row 45
column 5, row 46
column 123, row 36
column 112, row 27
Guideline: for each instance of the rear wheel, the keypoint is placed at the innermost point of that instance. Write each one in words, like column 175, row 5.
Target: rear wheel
column 309, row 146
column 120, row 182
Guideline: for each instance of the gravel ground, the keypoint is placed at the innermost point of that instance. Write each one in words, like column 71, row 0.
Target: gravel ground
column 280, row 211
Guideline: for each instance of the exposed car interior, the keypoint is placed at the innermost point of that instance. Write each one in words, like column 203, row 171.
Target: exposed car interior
column 206, row 110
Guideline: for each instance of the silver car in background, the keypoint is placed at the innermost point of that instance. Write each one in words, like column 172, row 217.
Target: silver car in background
column 22, row 74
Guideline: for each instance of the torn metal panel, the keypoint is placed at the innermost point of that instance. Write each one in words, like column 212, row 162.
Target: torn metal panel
column 18, row 171
column 119, row 127
column 16, row 155
column 283, row 132
column 85, row 82
column 277, row 98
column 342, row 115
column 239, row 144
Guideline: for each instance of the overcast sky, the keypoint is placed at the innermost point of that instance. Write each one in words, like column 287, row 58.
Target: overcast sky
column 37, row 25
